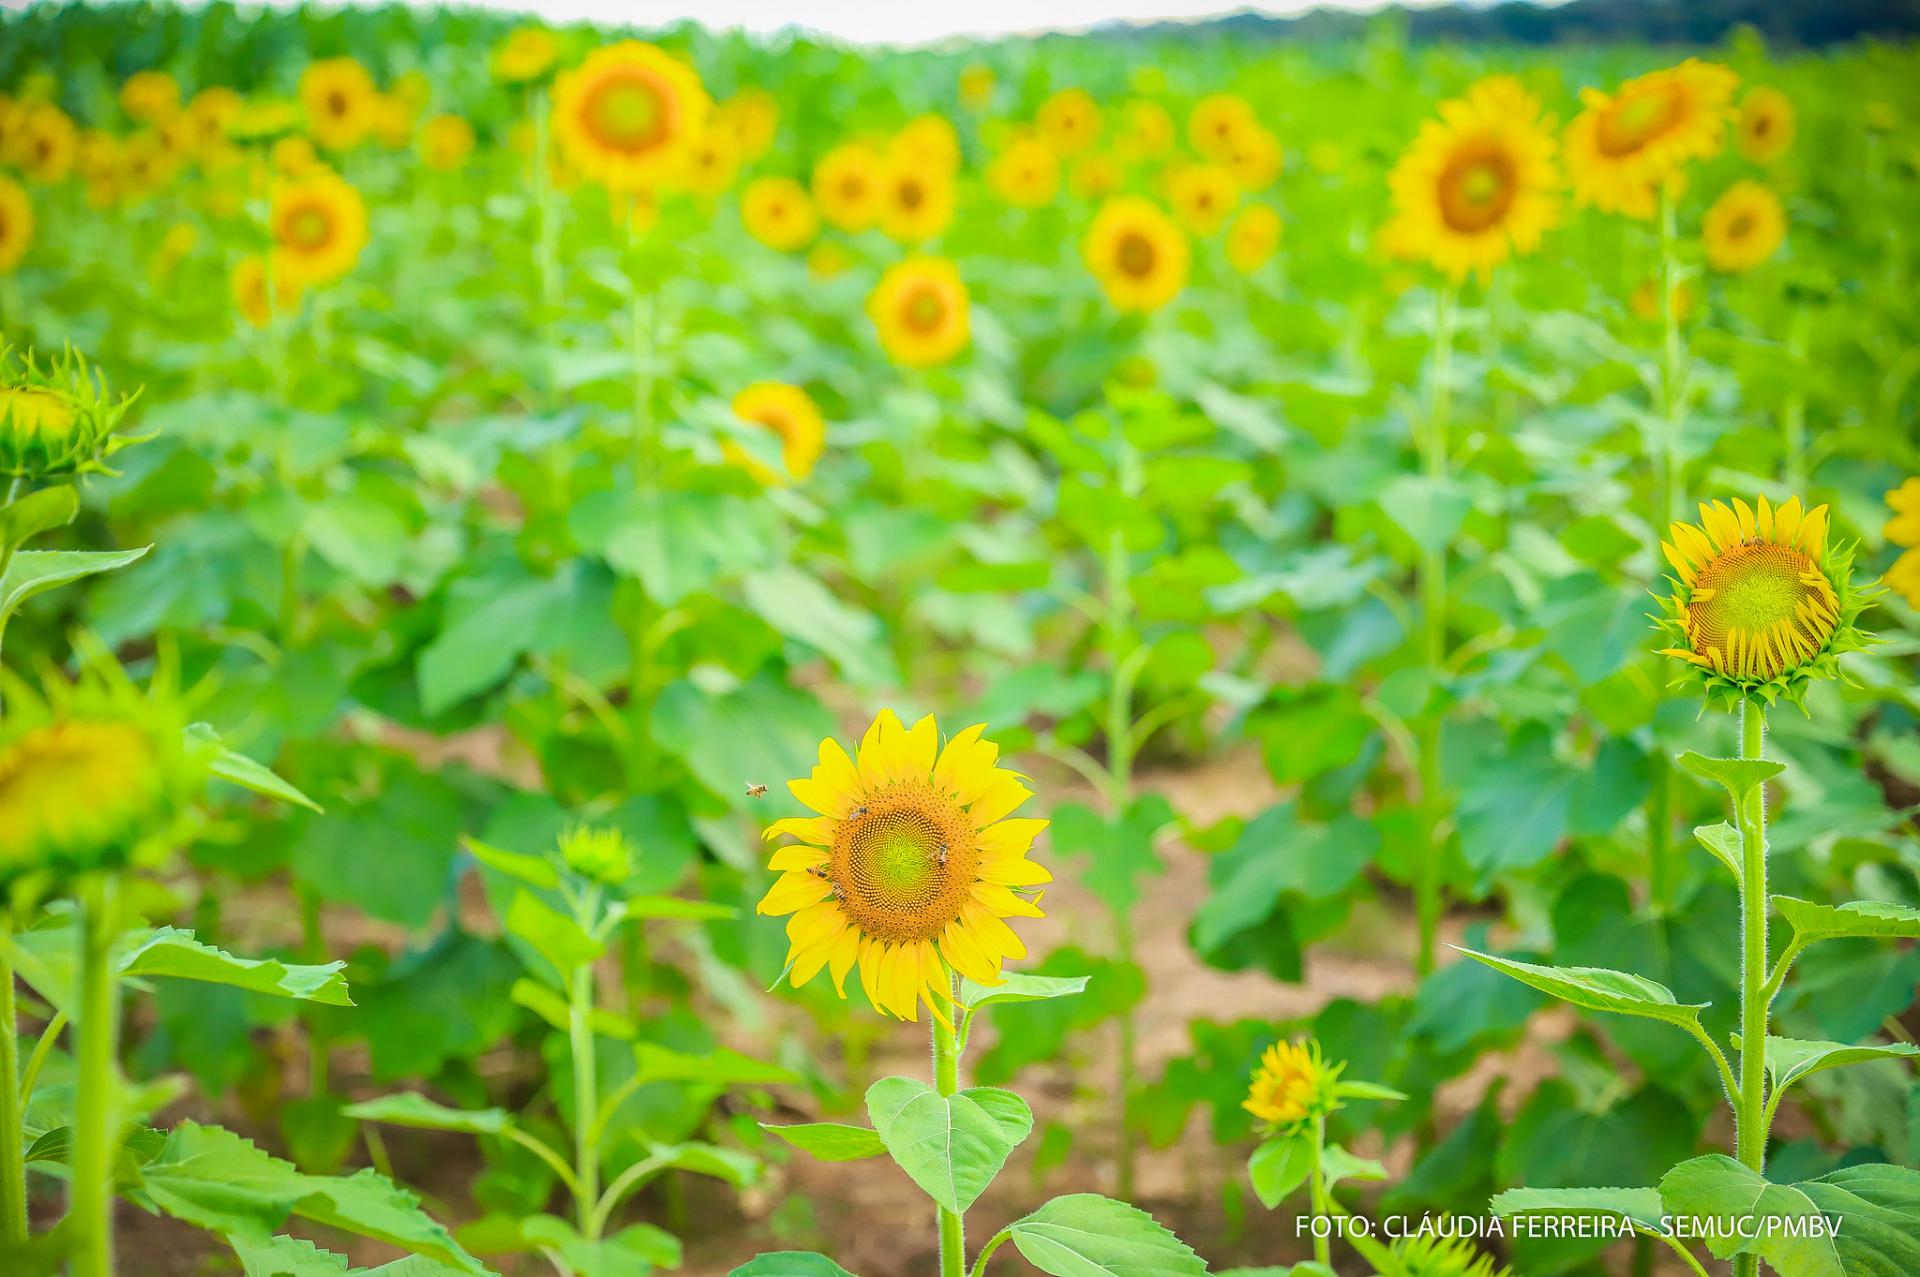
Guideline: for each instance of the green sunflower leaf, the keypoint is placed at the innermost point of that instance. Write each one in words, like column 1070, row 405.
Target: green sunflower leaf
column 1598, row 989
column 790, row 1263
column 1739, row 776
column 412, row 1109
column 1086, row 1235
column 1790, row 1059
column 952, row 1147
column 1279, row 1166
column 1641, row 1205
column 1870, row 919
column 830, row 1141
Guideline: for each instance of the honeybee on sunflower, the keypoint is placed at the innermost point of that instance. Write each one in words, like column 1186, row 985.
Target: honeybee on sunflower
column 1743, row 228
column 1623, row 145
column 59, row 420
column 629, row 115
column 1762, row 603
column 910, row 869
column 791, row 416
column 921, row 311
column 1136, row 252
column 778, row 213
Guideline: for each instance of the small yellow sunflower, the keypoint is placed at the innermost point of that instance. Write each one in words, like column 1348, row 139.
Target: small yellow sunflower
column 1255, row 159
column 977, row 82
column 445, row 142
column 629, row 115
column 250, row 288
column 526, row 54
column 1095, row 176
column 1624, row 144
column 1026, row 174
column 792, row 416
column 1253, row 238
column 1766, row 125
column 319, row 226
column 1761, row 604
column 910, row 869
column 1477, row 186
column 921, row 311
column 712, row 163
column 59, row 420
column 849, row 186
column 1743, row 228
column 262, row 121
column 1136, row 252
column 778, row 213
column 150, row 97
column 340, row 101
column 16, row 224
column 294, row 156
column 1146, row 130
column 1069, row 121
column 919, row 204
column 211, row 112
column 1292, row 1085
column 749, row 118
column 1218, row 122
column 44, row 141
column 1202, row 195
column 1903, row 529
column 926, row 142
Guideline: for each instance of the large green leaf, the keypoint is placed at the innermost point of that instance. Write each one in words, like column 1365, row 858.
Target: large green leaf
column 173, row 953
column 1641, row 1205
column 534, row 870
column 790, row 1263
column 1790, row 1059
column 1740, row 776
column 952, row 1147
column 1279, row 1166
column 1598, row 989
column 410, row 1108
column 1086, row 1235
column 238, row 769
column 1728, row 1199
column 1878, row 1207
column 37, row 571
column 554, row 936
column 830, row 1141
column 633, row 1252
column 1872, row 919
column 1018, row 986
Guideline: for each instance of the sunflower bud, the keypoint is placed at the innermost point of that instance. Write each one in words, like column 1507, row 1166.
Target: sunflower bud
column 58, row 421
column 603, row 855
column 1434, row 1255
column 1293, row 1085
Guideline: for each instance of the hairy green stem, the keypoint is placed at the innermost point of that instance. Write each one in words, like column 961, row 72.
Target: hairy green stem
column 946, row 1081
column 1750, row 1125
column 1433, row 617
column 13, row 1167
column 1317, row 1192
column 586, row 1131
column 96, row 1128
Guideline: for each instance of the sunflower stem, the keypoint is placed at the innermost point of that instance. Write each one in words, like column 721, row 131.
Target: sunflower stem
column 13, row 1167
column 1672, row 370
column 1317, row 1192
column 1119, row 729
column 946, row 1081
column 89, row 1223
column 1750, row 1119
column 640, row 323
column 546, row 250
column 1433, row 616
column 586, row 1088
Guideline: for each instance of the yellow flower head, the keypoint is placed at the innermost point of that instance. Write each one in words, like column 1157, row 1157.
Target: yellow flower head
column 778, row 213
column 926, row 142
column 294, row 156
column 319, row 226
column 43, row 140
column 1293, row 1084
column 393, row 117
column 712, row 163
column 1254, row 159
column 629, row 115
column 525, row 55
column 445, row 142
column 1203, row 196
column 919, row 203
column 210, row 113
column 1903, row 529
column 749, row 118
column 1478, row 184
column 792, row 417
column 1624, row 144
column 1069, row 121
column 1146, row 130
column 59, row 420
column 150, row 97
column 1766, row 125
column 921, row 312
column 911, row 867
column 340, row 101
column 1218, row 122
column 849, row 186
column 260, row 292
column 1136, row 252
column 977, row 82
column 16, row 223
column 1744, row 227
column 1761, row 605
column 1026, row 174
column 600, row 854
column 1253, row 238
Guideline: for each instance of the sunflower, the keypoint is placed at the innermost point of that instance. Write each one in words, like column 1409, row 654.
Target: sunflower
column 393, row 118
column 527, row 54
column 319, row 226
column 150, row 97
column 1094, row 176
column 1743, row 228
column 1477, row 185
column 251, row 297
column 210, row 113
column 1292, row 1085
column 1761, row 604
column 749, row 119
column 926, row 142
column 294, row 156
column 59, row 420
column 445, row 142
column 1137, row 253
column 921, row 311
column 1254, row 159
column 629, row 114
column 1623, row 145
column 1202, row 195
column 43, row 141
column 1069, row 121
column 778, row 213
column 1766, row 125
column 1217, row 122
column 910, row 869
column 597, row 853
column 919, row 204
column 16, row 223
column 1432, row 1254
column 1146, row 130
column 977, row 82
column 147, row 164
column 1026, row 174
column 1253, row 238
column 340, row 102
column 849, row 186
column 1903, row 529
column 792, row 416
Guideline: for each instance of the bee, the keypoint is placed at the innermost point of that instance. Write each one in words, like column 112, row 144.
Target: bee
column 857, row 813
column 756, row 790
column 940, row 850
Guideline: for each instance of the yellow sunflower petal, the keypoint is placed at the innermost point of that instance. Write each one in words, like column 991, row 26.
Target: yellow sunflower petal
column 1004, row 902
column 1013, row 871
column 846, row 951
column 999, row 799
column 796, row 856
column 816, row 923
column 791, row 891
column 1010, row 837
column 817, row 830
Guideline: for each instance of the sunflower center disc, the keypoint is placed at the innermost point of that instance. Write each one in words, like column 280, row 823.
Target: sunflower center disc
column 1477, row 189
column 1755, row 588
column 628, row 114
column 1637, row 120
column 307, row 228
column 904, row 865
column 924, row 311
column 1136, row 254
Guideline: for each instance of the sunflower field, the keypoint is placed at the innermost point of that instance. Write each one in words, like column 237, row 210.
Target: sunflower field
column 1132, row 655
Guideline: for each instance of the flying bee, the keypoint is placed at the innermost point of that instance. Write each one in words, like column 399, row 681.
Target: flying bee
column 756, row 790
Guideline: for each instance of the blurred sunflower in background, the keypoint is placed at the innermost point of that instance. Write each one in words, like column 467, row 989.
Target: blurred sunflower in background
column 319, row 225
column 977, row 82
column 910, row 868
column 1767, row 125
column 1743, row 228
column 150, row 97
column 1069, row 121
column 712, row 163
column 1645, row 301
column 1477, row 185
column 927, row 142
column 1219, row 121
column 1903, row 529
column 525, row 55
column 445, row 142
column 777, row 212
column 1094, row 176
column 260, row 291
column 1026, row 173
column 1146, row 130
column 918, row 204
column 791, row 415
column 1253, row 238
column 1136, row 252
column 750, row 119
column 849, row 186
column 921, row 312
column 1255, row 159
column 628, row 115
column 1202, row 196
column 42, row 142
column 16, row 223
column 1623, row 145
column 340, row 102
